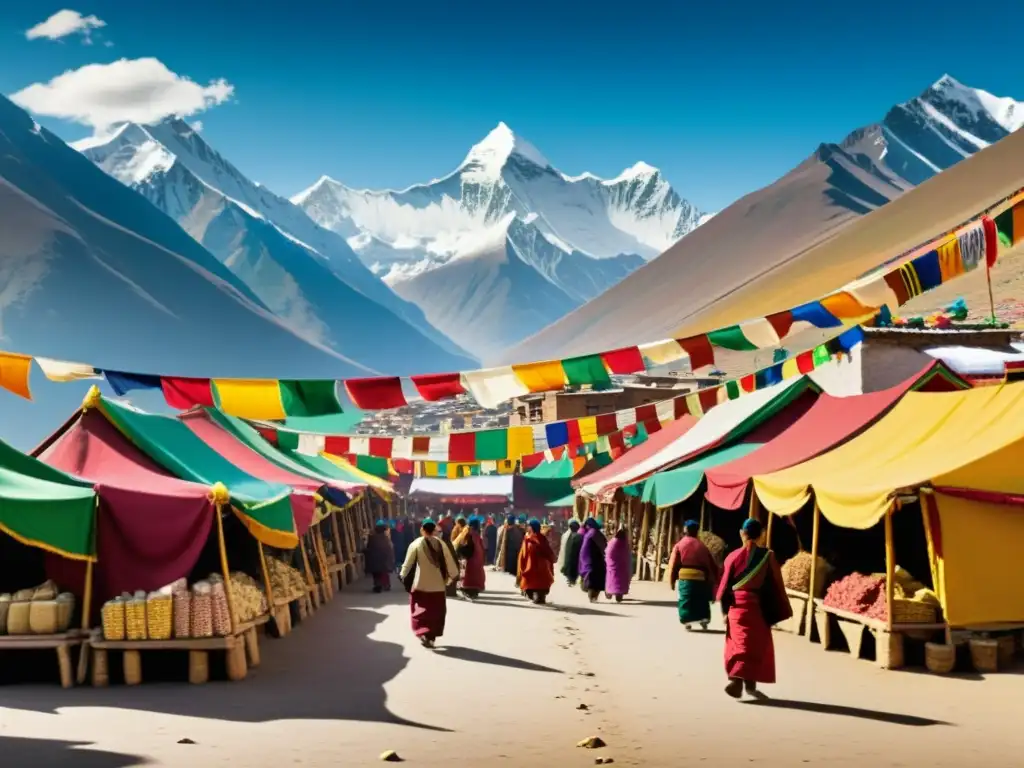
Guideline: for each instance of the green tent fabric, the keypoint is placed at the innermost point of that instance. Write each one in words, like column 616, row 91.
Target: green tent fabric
column 671, row 486
column 176, row 448
column 546, row 483
column 42, row 507
column 323, row 470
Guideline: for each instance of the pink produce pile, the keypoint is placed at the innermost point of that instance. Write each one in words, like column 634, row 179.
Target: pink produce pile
column 860, row 594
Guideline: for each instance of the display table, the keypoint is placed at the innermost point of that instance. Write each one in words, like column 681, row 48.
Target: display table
column 62, row 643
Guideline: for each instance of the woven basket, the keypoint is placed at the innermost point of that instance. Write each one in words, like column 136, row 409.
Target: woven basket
column 159, row 617
column 18, row 618
column 135, row 619
column 112, row 616
column 43, row 617
column 912, row 612
column 985, row 655
column 939, row 658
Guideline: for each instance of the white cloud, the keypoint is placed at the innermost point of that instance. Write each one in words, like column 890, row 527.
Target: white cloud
column 136, row 90
column 65, row 23
column 197, row 125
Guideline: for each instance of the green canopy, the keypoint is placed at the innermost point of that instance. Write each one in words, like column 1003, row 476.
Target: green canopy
column 549, row 484
column 266, row 507
column 671, row 486
column 42, row 507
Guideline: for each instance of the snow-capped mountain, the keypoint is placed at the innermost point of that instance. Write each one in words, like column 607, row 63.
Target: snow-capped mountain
column 305, row 274
column 92, row 272
column 506, row 233
column 714, row 272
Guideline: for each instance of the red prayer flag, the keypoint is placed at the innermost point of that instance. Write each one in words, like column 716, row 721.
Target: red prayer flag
column 381, row 447
column 557, row 453
column 336, row 445
column 781, row 322
column 616, row 442
column 646, row 412
column 573, row 426
column 699, row 350
column 607, row 423
column 708, row 398
column 377, row 394
column 805, row 361
column 402, row 466
column 268, row 434
column 532, row 460
column 748, row 383
column 991, row 241
column 462, row 446
column 421, row 445
column 439, row 386
column 623, row 361
column 680, row 407
column 652, row 426
column 186, row 393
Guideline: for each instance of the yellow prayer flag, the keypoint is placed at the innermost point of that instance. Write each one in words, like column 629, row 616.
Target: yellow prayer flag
column 520, row 442
column 663, row 352
column 14, row 372
column 845, row 306
column 790, row 368
column 546, row 376
column 250, row 398
column 430, row 469
column 950, row 262
column 588, row 428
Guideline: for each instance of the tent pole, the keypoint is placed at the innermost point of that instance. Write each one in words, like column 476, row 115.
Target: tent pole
column 814, row 576
column 83, row 656
column 753, row 512
column 309, row 571
column 771, row 517
column 224, row 568
column 338, row 553
column 890, row 565
column 702, row 513
column 641, row 542
column 933, row 563
column 266, row 578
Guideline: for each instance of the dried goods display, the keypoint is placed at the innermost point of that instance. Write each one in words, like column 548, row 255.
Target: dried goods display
column 202, row 610
column 796, row 574
column 159, row 615
column 182, row 613
column 286, row 582
column 135, row 616
column 715, row 545
column 866, row 596
column 113, row 618
column 248, row 597
column 39, row 610
column 219, row 604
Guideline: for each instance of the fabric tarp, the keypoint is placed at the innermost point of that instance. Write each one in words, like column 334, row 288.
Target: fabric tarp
column 265, row 508
column 724, row 422
column 975, row 361
column 668, row 488
column 965, row 439
column 379, row 484
column 43, row 507
column 491, row 487
column 971, row 536
column 548, row 482
column 305, row 488
column 333, row 487
column 151, row 526
column 829, row 421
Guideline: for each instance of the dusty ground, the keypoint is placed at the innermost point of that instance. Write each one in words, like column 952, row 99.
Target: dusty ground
column 505, row 688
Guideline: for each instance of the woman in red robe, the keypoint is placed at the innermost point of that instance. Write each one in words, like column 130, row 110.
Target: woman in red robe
column 753, row 599
column 536, row 565
column 469, row 546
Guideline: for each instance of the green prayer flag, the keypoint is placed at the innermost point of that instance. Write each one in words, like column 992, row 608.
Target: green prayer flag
column 1004, row 226
column 732, row 389
column 731, row 338
column 588, row 369
column 288, row 440
column 492, row 445
column 310, row 397
column 820, row 355
column 375, row 465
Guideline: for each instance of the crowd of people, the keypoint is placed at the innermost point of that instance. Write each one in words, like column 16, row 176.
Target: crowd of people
column 439, row 559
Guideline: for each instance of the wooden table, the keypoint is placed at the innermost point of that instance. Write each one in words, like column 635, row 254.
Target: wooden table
column 62, row 643
column 237, row 645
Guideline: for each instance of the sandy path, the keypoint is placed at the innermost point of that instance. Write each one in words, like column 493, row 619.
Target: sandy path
column 505, row 689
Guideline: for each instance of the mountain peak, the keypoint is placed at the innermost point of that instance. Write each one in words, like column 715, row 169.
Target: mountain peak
column 490, row 155
column 638, row 170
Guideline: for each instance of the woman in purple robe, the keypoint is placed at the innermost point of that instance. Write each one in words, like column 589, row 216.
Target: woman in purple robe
column 618, row 562
column 593, row 571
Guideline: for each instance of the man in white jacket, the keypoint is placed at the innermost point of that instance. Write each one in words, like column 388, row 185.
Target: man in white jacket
column 428, row 570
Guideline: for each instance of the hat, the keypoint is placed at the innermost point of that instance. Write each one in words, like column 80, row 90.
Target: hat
column 752, row 528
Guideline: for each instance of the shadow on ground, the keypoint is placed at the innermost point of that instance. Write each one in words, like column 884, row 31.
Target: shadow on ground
column 895, row 718
column 327, row 669
column 483, row 657
column 522, row 602
column 23, row 752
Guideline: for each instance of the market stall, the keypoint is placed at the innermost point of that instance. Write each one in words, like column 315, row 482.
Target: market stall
column 43, row 510
column 970, row 440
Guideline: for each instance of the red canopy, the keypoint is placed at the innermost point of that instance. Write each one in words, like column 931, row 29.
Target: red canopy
column 665, row 436
column 151, row 526
column 249, row 461
column 830, row 421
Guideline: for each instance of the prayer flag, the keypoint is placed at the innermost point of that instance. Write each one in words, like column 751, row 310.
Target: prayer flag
column 184, row 393
column 439, row 386
column 376, row 394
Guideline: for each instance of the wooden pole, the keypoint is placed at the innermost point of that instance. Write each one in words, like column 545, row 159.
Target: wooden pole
column 225, row 571
column 641, row 542
column 768, row 536
column 814, row 568
column 753, row 512
column 339, row 553
column 83, row 656
column 266, row 577
column 890, row 566
column 933, row 563
column 309, row 571
column 702, row 501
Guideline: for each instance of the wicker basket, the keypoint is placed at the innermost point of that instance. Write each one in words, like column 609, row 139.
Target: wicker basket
column 159, row 616
column 18, row 618
column 112, row 616
column 984, row 655
column 135, row 618
column 912, row 612
column 939, row 658
column 43, row 617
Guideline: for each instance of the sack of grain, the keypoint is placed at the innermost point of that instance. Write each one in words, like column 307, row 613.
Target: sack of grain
column 112, row 616
column 65, row 611
column 18, row 618
column 796, row 574
column 202, row 610
column 715, row 545
column 135, row 617
column 159, row 616
column 45, row 591
column 42, row 617
column 182, row 614
column 221, row 613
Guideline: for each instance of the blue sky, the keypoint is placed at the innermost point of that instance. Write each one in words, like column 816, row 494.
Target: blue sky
column 723, row 97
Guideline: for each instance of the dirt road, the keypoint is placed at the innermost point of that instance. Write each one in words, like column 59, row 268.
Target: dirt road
column 518, row 685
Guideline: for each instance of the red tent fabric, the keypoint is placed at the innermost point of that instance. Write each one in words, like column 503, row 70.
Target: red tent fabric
column 151, row 526
column 246, row 459
column 830, row 421
column 654, row 444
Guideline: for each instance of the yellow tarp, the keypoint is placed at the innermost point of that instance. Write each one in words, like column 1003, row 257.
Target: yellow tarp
column 976, row 539
column 965, row 439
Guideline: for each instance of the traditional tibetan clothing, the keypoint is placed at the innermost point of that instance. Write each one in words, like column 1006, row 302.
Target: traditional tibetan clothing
column 593, row 570
column 474, row 579
column 379, row 559
column 434, row 566
column 618, row 562
column 536, row 567
column 510, row 539
column 753, row 599
column 569, row 557
column 694, row 572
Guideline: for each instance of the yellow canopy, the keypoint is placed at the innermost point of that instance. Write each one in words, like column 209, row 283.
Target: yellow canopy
column 971, row 439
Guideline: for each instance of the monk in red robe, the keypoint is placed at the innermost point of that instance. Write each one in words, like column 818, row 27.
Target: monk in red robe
column 753, row 599
column 469, row 546
column 536, row 565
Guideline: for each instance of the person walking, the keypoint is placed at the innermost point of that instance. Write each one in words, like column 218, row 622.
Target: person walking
column 618, row 562
column 536, row 567
column 469, row 546
column 593, row 571
column 753, row 599
column 428, row 569
column 693, row 574
column 379, row 557
column 510, row 539
column 569, row 553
